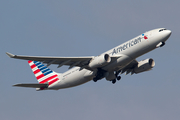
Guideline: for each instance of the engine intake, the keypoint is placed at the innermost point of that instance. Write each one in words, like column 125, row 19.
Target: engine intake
column 144, row 65
column 100, row 61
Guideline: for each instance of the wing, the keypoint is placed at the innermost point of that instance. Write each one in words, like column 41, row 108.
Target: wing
column 60, row 61
column 129, row 68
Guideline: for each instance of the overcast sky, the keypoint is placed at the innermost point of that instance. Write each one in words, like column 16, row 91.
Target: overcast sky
column 86, row 28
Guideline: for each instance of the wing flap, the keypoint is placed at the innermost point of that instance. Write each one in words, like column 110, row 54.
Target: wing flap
column 129, row 68
column 32, row 85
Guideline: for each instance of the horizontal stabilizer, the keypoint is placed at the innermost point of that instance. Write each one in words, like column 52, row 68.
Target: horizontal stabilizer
column 33, row 85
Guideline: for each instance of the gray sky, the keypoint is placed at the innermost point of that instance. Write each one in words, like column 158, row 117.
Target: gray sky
column 86, row 28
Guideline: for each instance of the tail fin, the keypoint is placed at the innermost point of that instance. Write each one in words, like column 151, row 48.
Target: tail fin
column 42, row 73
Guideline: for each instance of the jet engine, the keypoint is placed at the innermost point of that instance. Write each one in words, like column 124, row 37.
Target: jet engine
column 144, row 65
column 100, row 61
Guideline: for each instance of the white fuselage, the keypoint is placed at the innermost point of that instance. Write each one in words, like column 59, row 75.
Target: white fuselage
column 128, row 51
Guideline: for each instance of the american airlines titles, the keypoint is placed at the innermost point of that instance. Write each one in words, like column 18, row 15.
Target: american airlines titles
column 126, row 45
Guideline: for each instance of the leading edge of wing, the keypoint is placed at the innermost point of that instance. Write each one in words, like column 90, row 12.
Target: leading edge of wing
column 42, row 58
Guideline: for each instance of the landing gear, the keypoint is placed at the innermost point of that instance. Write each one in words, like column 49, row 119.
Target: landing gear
column 102, row 73
column 114, row 81
column 99, row 75
column 95, row 80
column 118, row 77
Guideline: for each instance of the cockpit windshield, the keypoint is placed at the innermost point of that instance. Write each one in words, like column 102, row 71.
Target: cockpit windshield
column 162, row 30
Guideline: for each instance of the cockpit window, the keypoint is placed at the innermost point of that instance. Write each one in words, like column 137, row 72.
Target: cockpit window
column 162, row 30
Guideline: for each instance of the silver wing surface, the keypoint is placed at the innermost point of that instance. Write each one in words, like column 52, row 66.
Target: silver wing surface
column 60, row 61
column 129, row 68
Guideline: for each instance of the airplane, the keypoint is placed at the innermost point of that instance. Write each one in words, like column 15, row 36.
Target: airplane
column 108, row 65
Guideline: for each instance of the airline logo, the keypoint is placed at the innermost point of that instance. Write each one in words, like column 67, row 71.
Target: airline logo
column 145, row 37
column 42, row 73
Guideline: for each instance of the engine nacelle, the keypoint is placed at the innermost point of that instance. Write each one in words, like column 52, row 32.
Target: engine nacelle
column 144, row 65
column 100, row 61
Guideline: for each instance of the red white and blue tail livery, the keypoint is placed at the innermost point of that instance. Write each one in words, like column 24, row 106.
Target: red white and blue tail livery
column 42, row 73
column 108, row 65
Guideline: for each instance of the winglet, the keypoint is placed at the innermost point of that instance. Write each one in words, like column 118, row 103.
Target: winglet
column 10, row 55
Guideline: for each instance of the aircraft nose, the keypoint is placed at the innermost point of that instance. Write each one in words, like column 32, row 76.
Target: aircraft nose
column 167, row 33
